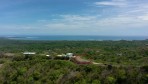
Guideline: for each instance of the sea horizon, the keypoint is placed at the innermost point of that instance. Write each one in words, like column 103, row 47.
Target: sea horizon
column 74, row 37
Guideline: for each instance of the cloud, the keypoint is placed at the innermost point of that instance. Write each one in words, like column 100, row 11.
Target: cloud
column 116, row 17
column 84, row 25
column 95, row 22
column 143, row 17
column 117, row 3
column 77, row 17
column 132, row 9
column 120, row 25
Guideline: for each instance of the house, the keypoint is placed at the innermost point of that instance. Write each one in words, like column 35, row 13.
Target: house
column 69, row 55
column 66, row 55
column 49, row 57
column 29, row 53
column 62, row 55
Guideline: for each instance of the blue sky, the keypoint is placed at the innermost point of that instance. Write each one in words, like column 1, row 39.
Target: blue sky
column 74, row 17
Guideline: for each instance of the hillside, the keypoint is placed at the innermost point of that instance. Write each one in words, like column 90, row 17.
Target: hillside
column 124, row 62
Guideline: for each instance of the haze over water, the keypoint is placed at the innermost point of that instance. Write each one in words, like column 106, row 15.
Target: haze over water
column 63, row 37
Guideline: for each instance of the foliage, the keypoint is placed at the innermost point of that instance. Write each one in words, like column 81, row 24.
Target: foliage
column 125, row 62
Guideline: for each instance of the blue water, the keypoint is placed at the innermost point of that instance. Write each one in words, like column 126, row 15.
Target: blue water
column 60, row 37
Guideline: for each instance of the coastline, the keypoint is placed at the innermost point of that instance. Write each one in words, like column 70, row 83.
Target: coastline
column 78, row 38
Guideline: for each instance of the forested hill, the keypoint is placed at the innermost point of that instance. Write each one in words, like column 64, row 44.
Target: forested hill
column 128, row 62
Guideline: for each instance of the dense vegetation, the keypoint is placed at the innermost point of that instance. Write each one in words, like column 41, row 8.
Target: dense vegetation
column 128, row 60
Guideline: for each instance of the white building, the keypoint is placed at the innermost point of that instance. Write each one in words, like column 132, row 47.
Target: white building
column 62, row 55
column 69, row 54
column 48, row 55
column 29, row 53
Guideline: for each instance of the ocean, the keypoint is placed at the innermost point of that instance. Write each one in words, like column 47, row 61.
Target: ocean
column 78, row 38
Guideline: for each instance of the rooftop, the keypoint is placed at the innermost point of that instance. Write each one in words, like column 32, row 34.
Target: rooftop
column 29, row 53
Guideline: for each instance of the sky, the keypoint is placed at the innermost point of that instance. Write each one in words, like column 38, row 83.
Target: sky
column 74, row 17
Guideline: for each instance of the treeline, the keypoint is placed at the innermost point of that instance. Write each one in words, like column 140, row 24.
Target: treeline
column 116, row 52
column 125, row 62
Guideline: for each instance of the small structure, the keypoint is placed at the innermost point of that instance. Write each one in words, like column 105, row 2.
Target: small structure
column 59, row 55
column 69, row 54
column 66, row 55
column 48, row 55
column 29, row 53
column 62, row 55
